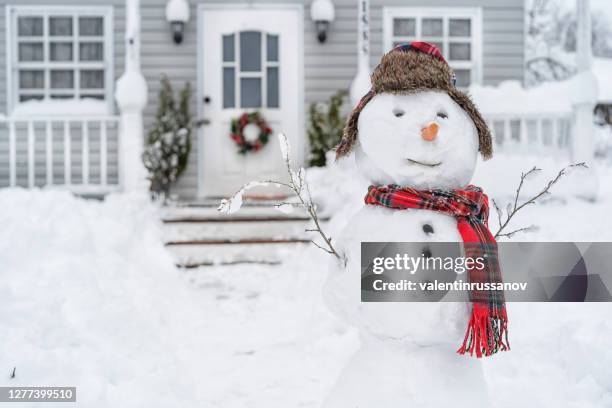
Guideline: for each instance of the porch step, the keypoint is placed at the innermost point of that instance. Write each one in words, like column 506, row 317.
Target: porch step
column 237, row 229
column 198, row 235
column 194, row 254
column 209, row 213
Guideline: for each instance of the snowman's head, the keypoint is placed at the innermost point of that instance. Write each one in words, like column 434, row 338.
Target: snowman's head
column 414, row 127
column 421, row 140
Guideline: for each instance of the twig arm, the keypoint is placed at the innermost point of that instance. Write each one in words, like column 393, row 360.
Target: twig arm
column 516, row 207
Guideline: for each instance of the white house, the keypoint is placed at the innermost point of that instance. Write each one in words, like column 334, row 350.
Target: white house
column 61, row 60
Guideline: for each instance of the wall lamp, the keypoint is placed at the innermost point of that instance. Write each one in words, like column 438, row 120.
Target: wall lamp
column 177, row 14
column 322, row 13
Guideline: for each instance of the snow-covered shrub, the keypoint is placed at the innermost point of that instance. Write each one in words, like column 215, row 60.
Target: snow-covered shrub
column 325, row 127
column 169, row 141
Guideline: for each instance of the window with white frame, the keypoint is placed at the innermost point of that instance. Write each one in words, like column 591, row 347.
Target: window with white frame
column 455, row 31
column 60, row 53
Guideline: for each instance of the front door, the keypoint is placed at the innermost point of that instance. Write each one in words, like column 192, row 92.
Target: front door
column 250, row 62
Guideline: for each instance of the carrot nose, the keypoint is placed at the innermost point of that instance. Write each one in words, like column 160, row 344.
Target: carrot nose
column 430, row 132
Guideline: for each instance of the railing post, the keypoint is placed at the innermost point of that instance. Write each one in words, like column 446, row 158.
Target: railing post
column 85, row 152
column 131, row 97
column 49, row 151
column 31, row 163
column 523, row 133
column 67, row 154
column 103, row 154
column 12, row 154
column 361, row 83
column 584, row 95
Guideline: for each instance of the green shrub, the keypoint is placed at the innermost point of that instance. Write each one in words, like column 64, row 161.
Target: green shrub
column 326, row 124
column 169, row 141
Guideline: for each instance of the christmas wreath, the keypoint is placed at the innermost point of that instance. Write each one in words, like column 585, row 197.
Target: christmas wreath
column 250, row 132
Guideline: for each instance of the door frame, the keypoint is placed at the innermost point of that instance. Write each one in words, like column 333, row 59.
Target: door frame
column 297, row 150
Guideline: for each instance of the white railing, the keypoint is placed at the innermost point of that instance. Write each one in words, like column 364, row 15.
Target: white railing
column 77, row 153
column 548, row 133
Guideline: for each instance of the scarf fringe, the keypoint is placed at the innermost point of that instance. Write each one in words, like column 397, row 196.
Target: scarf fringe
column 487, row 331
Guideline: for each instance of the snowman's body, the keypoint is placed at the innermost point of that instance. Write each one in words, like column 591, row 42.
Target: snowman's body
column 407, row 357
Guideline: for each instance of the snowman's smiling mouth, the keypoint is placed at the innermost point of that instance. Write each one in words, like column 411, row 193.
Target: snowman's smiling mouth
column 420, row 163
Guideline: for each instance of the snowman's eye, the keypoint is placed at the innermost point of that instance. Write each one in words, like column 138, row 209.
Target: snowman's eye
column 398, row 113
column 442, row 115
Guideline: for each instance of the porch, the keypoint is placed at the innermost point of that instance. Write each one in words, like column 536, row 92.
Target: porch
column 82, row 154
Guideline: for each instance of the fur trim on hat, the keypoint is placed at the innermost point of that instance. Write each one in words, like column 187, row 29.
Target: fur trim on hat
column 406, row 72
column 485, row 141
column 349, row 134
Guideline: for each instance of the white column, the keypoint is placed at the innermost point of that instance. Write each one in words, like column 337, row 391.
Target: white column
column 361, row 83
column 131, row 97
column 584, row 93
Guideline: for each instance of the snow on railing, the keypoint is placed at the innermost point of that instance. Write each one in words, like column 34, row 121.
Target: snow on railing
column 78, row 153
column 531, row 133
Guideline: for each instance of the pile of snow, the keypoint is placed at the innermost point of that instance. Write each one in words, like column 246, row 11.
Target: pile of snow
column 510, row 97
column 53, row 107
column 90, row 298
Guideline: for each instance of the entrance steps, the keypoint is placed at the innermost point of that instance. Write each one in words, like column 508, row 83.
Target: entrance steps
column 198, row 235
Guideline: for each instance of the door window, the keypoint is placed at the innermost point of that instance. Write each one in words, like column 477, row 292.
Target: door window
column 250, row 70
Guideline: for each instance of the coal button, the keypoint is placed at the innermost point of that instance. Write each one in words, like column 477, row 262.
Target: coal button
column 428, row 229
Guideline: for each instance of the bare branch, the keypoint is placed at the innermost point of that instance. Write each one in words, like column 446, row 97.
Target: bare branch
column 298, row 185
column 516, row 231
column 499, row 213
column 516, row 207
column 325, row 249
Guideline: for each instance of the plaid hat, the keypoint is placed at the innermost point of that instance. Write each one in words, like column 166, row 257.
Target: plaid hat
column 411, row 68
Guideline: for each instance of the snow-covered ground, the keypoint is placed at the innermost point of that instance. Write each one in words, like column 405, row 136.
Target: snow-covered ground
column 90, row 297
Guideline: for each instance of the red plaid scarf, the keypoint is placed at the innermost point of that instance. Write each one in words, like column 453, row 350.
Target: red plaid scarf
column 487, row 331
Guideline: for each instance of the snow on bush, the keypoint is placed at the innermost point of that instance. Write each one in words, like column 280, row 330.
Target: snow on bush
column 168, row 143
column 90, row 298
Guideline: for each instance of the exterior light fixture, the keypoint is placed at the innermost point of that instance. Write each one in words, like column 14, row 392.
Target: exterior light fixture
column 177, row 14
column 322, row 13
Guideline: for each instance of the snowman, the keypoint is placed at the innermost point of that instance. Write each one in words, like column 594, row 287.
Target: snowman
column 416, row 138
